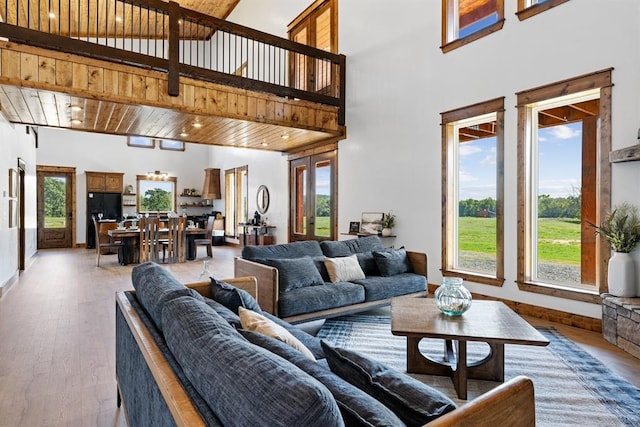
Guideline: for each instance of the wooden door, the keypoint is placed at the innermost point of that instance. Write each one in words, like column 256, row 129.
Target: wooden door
column 312, row 195
column 55, row 207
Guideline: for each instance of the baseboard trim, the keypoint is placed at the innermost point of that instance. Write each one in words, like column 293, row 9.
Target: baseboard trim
column 9, row 283
column 524, row 309
column 80, row 245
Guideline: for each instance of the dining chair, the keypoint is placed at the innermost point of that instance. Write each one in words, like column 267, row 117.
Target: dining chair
column 103, row 243
column 175, row 245
column 208, row 238
column 149, row 245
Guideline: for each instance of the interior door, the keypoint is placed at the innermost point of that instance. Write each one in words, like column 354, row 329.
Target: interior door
column 55, row 209
column 312, row 190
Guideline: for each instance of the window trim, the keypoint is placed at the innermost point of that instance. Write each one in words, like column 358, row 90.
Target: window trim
column 492, row 106
column 448, row 19
column 599, row 79
column 233, row 208
column 525, row 12
column 151, row 178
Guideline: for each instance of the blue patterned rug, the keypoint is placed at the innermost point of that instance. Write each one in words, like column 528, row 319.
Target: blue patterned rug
column 571, row 386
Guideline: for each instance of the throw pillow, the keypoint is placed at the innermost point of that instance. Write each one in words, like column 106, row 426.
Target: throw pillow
column 368, row 264
column 413, row 402
column 358, row 409
column 232, row 297
column 392, row 262
column 294, row 273
column 253, row 321
column 344, row 269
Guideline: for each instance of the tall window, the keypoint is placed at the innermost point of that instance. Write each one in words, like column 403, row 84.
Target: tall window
column 563, row 185
column 312, row 188
column 236, row 190
column 464, row 21
column 317, row 26
column 156, row 193
column 472, row 219
column 529, row 8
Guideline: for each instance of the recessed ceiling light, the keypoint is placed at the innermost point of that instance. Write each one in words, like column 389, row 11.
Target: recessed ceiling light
column 264, row 144
column 75, row 108
column 76, row 121
column 196, row 125
column 184, row 134
column 118, row 19
column 285, row 136
column 52, row 15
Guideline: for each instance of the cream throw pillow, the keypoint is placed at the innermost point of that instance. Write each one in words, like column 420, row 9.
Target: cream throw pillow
column 253, row 321
column 343, row 269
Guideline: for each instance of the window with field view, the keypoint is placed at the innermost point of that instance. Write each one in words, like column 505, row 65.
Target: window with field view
column 473, row 223
column 564, row 187
column 55, row 202
column 156, row 195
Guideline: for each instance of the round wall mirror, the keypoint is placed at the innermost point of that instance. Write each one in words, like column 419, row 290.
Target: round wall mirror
column 262, row 199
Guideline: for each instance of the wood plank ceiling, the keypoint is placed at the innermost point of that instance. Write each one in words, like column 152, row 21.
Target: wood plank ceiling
column 23, row 103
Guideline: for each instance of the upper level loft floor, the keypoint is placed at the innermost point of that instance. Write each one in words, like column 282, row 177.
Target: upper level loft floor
column 156, row 69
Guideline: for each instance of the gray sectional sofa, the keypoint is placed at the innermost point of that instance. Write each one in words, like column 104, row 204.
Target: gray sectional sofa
column 294, row 284
column 183, row 359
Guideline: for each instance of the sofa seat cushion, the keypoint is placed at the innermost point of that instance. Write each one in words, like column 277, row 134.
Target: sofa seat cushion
column 294, row 273
column 242, row 383
column 155, row 286
column 357, row 407
column 316, row 298
column 378, row 287
column 413, row 402
column 285, row 250
column 332, row 248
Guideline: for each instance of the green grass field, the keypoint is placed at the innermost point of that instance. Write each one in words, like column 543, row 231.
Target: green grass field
column 558, row 239
column 54, row 222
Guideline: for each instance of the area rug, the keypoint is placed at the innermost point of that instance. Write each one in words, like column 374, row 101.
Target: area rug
column 571, row 386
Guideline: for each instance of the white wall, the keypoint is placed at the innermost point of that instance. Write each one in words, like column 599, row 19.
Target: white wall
column 399, row 81
column 14, row 144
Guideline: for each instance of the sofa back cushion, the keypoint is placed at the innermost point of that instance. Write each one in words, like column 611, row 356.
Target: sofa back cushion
column 349, row 247
column 286, row 250
column 154, row 287
column 242, row 383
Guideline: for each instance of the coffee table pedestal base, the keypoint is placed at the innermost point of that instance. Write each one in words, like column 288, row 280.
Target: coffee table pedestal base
column 455, row 364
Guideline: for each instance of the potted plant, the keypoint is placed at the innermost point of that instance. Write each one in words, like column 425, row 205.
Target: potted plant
column 388, row 222
column 621, row 227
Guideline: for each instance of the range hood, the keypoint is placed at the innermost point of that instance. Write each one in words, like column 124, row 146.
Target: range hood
column 211, row 187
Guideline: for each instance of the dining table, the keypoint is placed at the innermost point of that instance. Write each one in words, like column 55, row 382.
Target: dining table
column 130, row 238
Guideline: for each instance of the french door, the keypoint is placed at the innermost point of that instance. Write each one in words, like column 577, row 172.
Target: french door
column 55, row 207
column 313, row 204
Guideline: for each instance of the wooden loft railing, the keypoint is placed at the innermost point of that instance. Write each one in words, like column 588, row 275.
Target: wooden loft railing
column 166, row 37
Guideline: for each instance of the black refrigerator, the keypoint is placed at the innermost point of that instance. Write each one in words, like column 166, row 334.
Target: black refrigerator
column 110, row 204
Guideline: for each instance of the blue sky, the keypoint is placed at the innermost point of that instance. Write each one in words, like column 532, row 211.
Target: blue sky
column 560, row 163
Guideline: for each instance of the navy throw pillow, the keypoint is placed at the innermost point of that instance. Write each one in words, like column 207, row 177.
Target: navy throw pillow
column 232, row 297
column 392, row 262
column 296, row 273
column 414, row 403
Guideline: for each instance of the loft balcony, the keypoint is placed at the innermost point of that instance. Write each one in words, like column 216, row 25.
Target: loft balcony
column 153, row 68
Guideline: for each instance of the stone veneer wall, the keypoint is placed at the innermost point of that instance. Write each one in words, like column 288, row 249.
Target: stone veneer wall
column 621, row 322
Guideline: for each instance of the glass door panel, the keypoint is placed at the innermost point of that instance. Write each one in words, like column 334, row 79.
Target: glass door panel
column 323, row 200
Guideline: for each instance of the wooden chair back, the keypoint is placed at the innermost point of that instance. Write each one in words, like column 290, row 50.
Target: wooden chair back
column 176, row 243
column 149, row 239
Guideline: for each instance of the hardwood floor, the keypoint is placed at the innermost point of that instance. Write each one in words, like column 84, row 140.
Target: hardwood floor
column 57, row 337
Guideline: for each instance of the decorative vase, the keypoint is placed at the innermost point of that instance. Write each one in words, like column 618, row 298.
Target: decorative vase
column 386, row 232
column 622, row 275
column 452, row 298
